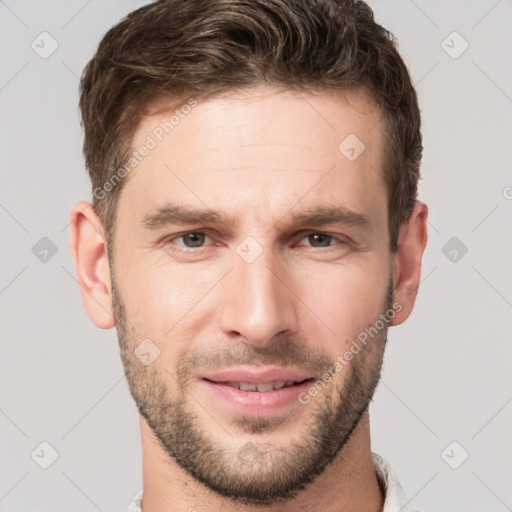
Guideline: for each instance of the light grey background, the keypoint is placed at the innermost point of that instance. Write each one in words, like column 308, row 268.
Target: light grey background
column 447, row 373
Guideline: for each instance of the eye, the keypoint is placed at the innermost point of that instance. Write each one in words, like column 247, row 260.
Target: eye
column 321, row 239
column 191, row 239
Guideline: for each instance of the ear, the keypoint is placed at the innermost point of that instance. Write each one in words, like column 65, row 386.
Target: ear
column 412, row 240
column 89, row 251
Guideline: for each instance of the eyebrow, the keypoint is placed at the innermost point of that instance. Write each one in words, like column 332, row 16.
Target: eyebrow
column 317, row 216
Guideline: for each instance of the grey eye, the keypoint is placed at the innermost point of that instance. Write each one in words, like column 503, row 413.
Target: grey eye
column 321, row 239
column 193, row 239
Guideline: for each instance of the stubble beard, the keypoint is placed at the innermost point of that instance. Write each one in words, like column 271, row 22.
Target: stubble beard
column 257, row 473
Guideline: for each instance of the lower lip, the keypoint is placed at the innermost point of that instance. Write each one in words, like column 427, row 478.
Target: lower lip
column 256, row 403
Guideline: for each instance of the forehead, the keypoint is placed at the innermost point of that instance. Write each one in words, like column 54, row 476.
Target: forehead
column 269, row 118
column 263, row 144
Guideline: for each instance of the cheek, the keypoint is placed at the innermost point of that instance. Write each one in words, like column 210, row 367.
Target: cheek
column 347, row 299
column 164, row 299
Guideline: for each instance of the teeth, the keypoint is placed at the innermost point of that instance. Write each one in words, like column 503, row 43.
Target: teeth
column 267, row 386
column 247, row 387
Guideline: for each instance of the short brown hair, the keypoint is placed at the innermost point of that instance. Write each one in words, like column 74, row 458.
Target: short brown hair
column 174, row 48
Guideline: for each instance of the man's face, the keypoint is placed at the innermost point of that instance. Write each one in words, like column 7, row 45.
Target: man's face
column 261, row 296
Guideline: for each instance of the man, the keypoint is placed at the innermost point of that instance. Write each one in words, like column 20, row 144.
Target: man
column 253, row 234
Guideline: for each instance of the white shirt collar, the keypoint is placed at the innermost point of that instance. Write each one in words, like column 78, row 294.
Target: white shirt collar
column 395, row 500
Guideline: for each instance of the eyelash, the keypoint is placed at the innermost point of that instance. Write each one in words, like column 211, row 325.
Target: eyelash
column 184, row 248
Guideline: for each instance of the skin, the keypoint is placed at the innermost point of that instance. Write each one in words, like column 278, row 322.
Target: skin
column 258, row 156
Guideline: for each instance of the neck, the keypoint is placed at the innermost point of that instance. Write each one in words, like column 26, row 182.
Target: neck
column 348, row 483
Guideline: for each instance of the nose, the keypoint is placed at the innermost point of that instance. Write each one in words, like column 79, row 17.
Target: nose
column 258, row 300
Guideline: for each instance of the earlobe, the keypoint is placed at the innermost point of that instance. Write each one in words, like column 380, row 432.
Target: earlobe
column 89, row 251
column 407, row 264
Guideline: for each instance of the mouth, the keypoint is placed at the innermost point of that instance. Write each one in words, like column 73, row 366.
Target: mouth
column 263, row 393
column 261, row 387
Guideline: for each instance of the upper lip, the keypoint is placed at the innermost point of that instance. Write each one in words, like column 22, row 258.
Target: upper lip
column 257, row 376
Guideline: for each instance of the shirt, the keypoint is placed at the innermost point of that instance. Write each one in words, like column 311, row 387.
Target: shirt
column 394, row 497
